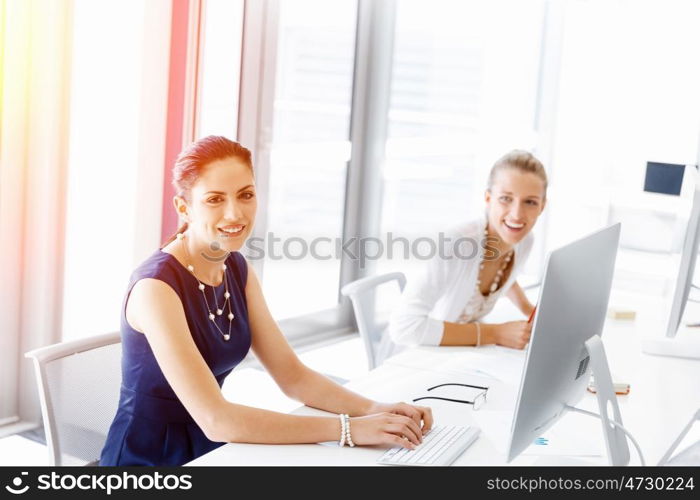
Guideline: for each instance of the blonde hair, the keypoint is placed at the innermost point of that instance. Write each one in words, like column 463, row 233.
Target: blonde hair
column 522, row 161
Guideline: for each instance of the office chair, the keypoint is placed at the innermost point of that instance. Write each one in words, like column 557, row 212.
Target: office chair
column 78, row 384
column 370, row 324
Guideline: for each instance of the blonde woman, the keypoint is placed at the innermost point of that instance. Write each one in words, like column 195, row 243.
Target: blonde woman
column 445, row 305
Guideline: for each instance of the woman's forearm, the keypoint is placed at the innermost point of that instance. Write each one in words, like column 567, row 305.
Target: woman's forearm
column 466, row 334
column 318, row 391
column 519, row 299
column 243, row 424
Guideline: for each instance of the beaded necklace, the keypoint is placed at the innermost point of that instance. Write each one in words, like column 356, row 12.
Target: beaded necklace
column 202, row 288
column 499, row 274
column 479, row 301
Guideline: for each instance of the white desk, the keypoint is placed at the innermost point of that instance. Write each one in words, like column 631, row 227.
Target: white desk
column 665, row 393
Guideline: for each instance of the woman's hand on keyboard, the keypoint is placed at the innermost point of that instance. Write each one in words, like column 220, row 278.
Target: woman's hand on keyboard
column 421, row 415
column 386, row 428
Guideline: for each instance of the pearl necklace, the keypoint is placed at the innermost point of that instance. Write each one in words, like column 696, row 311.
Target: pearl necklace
column 202, row 288
column 499, row 274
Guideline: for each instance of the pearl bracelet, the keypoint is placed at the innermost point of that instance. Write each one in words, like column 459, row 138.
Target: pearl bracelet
column 348, row 435
column 341, row 443
column 345, row 436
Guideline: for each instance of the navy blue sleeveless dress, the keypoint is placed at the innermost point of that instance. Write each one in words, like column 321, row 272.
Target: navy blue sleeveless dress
column 151, row 426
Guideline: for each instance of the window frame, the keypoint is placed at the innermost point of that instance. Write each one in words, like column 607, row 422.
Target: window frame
column 370, row 97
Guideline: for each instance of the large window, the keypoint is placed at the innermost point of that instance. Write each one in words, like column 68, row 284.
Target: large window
column 309, row 153
column 463, row 93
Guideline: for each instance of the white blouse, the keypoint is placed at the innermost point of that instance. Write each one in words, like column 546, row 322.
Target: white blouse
column 479, row 306
column 445, row 290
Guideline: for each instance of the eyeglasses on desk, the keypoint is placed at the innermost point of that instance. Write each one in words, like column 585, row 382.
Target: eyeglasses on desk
column 477, row 403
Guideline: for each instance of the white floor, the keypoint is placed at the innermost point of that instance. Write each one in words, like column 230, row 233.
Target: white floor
column 246, row 386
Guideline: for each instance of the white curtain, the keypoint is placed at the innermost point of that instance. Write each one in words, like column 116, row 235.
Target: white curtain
column 34, row 84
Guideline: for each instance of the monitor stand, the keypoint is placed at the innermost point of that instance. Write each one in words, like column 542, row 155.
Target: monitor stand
column 688, row 452
column 686, row 344
column 615, row 438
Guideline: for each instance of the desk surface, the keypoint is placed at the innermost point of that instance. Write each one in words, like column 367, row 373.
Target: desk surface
column 664, row 394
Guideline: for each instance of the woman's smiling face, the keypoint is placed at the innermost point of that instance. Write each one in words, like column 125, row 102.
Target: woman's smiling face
column 514, row 202
column 222, row 205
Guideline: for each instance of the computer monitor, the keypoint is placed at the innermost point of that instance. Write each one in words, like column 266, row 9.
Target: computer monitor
column 686, row 270
column 686, row 345
column 571, row 310
column 664, row 178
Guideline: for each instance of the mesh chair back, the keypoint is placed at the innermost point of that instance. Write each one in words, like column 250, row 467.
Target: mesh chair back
column 80, row 395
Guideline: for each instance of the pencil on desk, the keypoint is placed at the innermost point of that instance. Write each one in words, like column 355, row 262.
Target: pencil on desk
column 532, row 314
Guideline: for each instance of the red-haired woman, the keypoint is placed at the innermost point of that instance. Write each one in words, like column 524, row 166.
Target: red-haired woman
column 192, row 311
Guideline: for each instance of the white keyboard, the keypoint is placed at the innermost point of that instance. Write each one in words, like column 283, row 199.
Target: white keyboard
column 441, row 446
